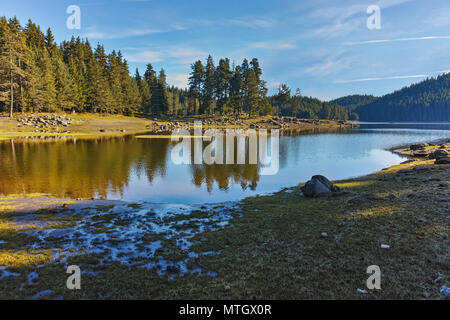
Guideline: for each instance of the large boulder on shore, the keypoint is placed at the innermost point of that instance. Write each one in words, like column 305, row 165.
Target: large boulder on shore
column 319, row 186
column 438, row 154
column 421, row 153
column 419, row 146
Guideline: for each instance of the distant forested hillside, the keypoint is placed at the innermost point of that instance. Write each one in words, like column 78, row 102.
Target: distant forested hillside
column 428, row 100
column 296, row 105
column 354, row 101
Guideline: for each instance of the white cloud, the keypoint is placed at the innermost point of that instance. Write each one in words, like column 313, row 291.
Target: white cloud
column 274, row 46
column 157, row 54
column 330, row 65
column 93, row 33
column 393, row 77
column 178, row 80
column 273, row 84
column 439, row 18
column 146, row 57
column 343, row 19
column 397, row 40
column 251, row 22
column 187, row 55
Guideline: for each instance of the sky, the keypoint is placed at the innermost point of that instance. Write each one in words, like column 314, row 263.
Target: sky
column 323, row 47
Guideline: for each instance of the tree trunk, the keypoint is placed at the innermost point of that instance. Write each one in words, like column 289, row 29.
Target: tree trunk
column 21, row 92
column 12, row 84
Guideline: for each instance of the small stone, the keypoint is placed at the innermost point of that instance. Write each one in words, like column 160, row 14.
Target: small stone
column 439, row 154
column 442, row 161
column 421, row 153
column 419, row 146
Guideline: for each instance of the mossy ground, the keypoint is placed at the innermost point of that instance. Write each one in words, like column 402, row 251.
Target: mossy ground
column 273, row 248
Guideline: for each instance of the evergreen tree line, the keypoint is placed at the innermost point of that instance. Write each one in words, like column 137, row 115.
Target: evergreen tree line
column 38, row 75
column 226, row 89
column 295, row 105
column 428, row 100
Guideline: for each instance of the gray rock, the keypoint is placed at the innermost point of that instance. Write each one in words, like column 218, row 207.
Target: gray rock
column 319, row 186
column 419, row 146
column 439, row 154
column 421, row 153
column 442, row 161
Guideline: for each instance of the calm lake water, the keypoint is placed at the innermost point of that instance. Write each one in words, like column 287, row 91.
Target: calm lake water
column 134, row 170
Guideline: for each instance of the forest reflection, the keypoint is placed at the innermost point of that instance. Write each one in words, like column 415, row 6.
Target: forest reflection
column 134, row 169
column 96, row 168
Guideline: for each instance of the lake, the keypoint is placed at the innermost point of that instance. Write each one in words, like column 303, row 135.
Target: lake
column 132, row 169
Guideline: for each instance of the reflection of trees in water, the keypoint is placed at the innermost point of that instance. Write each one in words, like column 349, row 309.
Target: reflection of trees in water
column 88, row 168
column 67, row 168
column 223, row 175
column 154, row 157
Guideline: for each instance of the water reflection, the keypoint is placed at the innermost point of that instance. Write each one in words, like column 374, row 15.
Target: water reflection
column 141, row 169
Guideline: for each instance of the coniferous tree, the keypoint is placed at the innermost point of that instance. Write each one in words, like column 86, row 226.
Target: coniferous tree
column 196, row 79
column 152, row 83
column 236, row 90
column 13, row 53
column 209, row 87
column 223, row 81
column 164, row 99
column 252, row 98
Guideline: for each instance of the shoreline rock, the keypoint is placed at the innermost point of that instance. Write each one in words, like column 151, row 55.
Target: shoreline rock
column 319, row 186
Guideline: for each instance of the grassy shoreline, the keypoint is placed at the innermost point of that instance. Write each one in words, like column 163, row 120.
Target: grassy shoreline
column 271, row 248
column 96, row 126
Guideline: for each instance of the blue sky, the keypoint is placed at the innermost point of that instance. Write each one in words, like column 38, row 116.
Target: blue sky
column 322, row 47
